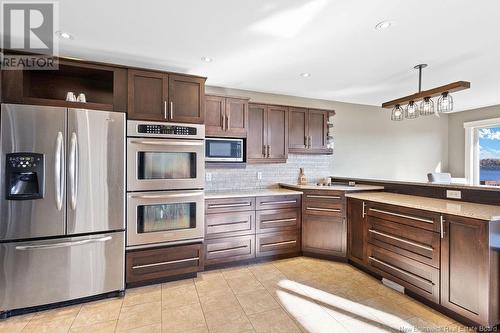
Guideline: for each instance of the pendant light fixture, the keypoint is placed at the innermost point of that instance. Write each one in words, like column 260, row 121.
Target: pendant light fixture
column 397, row 113
column 426, row 106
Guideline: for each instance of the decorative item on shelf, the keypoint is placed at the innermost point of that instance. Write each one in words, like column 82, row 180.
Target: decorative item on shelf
column 426, row 107
column 70, row 97
column 302, row 177
column 81, row 98
column 329, row 136
column 397, row 113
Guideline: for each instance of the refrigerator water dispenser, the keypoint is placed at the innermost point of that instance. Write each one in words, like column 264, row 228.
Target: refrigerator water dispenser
column 24, row 175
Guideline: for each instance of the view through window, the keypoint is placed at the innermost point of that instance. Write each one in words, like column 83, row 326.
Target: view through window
column 489, row 155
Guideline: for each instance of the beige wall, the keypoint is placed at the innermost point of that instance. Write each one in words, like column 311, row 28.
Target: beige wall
column 367, row 143
column 456, row 135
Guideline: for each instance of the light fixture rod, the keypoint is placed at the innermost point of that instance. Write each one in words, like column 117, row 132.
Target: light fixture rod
column 420, row 67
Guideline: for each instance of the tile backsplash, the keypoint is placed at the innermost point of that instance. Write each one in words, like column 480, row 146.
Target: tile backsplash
column 315, row 168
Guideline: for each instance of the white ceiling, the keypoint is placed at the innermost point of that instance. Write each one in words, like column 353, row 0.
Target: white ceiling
column 264, row 45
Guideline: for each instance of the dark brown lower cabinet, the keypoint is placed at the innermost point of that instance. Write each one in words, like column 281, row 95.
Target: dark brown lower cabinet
column 450, row 260
column 156, row 264
column 469, row 269
column 277, row 243
column 229, row 249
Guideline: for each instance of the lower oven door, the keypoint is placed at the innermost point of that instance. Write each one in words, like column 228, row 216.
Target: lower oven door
column 157, row 217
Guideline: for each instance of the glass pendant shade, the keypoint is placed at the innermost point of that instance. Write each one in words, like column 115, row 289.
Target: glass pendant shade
column 397, row 113
column 445, row 103
column 427, row 107
column 411, row 111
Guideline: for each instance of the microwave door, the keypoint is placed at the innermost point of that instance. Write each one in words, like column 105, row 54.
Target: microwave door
column 32, row 159
column 158, row 164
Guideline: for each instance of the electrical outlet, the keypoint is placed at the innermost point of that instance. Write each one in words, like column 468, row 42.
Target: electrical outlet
column 452, row 194
column 259, row 175
column 208, row 176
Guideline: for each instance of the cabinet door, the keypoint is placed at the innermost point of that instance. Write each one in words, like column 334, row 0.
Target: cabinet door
column 236, row 117
column 187, row 99
column 298, row 120
column 318, row 130
column 323, row 235
column 464, row 268
column 215, row 123
column 277, row 133
column 147, row 95
column 356, row 230
column 257, row 136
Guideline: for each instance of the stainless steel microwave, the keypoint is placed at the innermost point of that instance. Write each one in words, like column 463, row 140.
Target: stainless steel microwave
column 223, row 150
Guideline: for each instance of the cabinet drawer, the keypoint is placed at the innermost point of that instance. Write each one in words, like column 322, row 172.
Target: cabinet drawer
column 415, row 243
column 229, row 224
column 223, row 250
column 274, row 220
column 325, row 196
column 229, row 205
column 323, row 208
column 408, row 216
column 279, row 201
column 158, row 263
column 277, row 243
column 420, row 278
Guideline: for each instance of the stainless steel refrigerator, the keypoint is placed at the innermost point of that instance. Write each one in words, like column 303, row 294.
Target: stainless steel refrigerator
column 62, row 204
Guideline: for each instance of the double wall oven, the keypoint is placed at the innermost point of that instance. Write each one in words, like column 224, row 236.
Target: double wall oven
column 165, row 181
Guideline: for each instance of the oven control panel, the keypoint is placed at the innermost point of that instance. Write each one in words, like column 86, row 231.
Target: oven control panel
column 166, row 129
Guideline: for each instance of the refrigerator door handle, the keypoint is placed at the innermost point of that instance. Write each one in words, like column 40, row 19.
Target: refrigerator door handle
column 58, row 165
column 73, row 170
column 62, row 244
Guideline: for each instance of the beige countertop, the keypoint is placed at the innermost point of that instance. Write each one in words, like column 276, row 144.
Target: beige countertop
column 452, row 207
column 249, row 193
column 345, row 188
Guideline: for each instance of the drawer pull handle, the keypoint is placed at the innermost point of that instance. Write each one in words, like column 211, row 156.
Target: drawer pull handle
column 278, row 221
column 323, row 196
column 324, row 209
column 401, row 240
column 278, row 202
column 279, row 243
column 246, row 204
column 231, row 249
column 402, row 215
column 228, row 223
column 165, row 263
column 413, row 276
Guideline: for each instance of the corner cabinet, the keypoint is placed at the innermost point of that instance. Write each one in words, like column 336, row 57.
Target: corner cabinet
column 308, row 131
column 450, row 260
column 226, row 116
column 267, row 140
column 161, row 96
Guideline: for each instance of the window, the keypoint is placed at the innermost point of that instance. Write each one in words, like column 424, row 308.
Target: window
column 482, row 152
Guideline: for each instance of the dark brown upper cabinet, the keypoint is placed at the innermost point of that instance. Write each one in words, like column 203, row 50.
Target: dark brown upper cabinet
column 187, row 99
column 105, row 87
column 147, row 95
column 267, row 134
column 226, row 116
column 308, row 131
column 163, row 97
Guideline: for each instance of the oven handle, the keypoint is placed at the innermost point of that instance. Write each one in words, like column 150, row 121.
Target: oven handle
column 165, row 196
column 167, row 143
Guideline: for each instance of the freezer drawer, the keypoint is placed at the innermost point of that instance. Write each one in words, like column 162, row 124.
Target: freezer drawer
column 49, row 271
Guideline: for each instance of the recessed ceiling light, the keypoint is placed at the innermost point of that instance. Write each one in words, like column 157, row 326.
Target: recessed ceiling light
column 207, row 59
column 305, row 74
column 64, row 35
column 383, row 25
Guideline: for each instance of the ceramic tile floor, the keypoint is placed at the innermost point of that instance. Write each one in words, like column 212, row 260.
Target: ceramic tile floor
column 292, row 295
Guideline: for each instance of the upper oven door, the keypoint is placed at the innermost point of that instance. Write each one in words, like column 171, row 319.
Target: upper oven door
column 156, row 217
column 165, row 164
